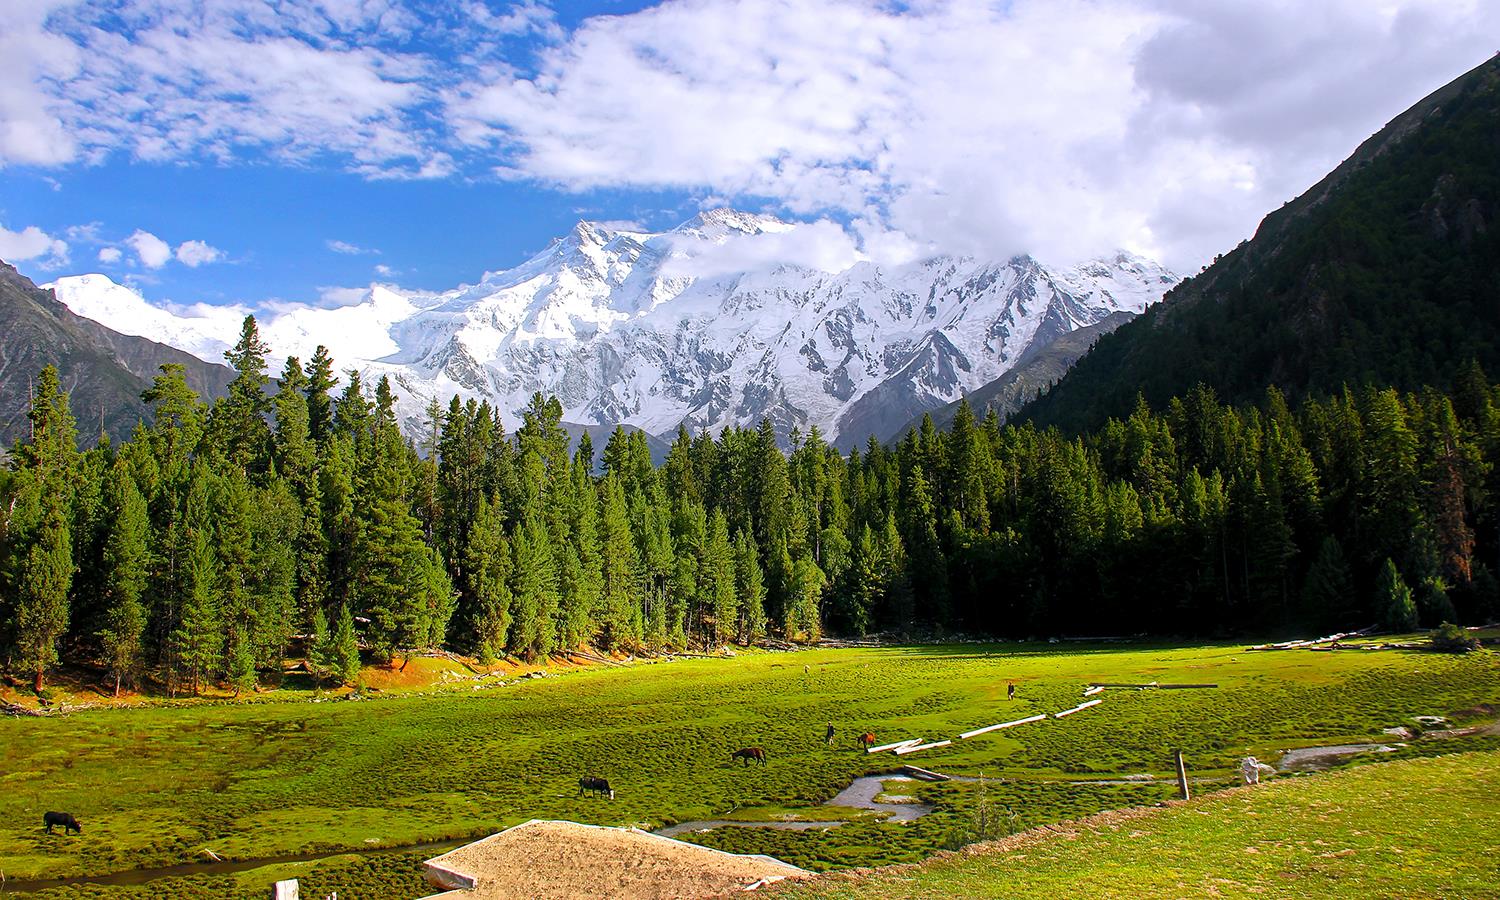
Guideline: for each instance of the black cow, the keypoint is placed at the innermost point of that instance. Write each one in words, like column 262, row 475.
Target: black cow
column 597, row 785
column 749, row 753
column 66, row 820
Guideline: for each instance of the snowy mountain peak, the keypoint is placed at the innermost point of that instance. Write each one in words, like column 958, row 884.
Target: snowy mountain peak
column 722, row 222
column 725, row 319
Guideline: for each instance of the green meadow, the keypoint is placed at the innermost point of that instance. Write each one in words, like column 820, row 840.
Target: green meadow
column 1411, row 828
column 157, row 786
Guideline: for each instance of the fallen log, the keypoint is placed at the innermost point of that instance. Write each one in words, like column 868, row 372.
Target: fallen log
column 884, row 747
column 988, row 728
column 1152, row 686
column 902, row 751
column 924, row 774
column 1093, row 690
column 1080, row 707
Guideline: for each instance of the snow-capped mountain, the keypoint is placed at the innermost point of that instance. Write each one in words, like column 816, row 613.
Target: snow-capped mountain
column 705, row 325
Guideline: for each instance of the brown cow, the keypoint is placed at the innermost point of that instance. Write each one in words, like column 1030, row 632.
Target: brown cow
column 867, row 740
column 749, row 753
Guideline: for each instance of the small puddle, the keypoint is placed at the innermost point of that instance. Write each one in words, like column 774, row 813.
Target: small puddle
column 135, row 877
column 860, row 794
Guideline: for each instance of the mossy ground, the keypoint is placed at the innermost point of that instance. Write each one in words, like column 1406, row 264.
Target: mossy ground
column 156, row 786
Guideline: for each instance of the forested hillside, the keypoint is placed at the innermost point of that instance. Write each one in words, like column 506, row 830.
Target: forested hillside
column 198, row 549
column 1387, row 272
column 104, row 370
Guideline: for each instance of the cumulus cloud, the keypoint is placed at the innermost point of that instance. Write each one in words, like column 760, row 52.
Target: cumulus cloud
column 384, row 271
column 1064, row 128
column 110, row 255
column 1059, row 127
column 197, row 253
column 32, row 244
column 152, row 251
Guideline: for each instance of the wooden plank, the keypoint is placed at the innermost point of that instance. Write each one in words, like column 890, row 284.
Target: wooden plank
column 884, row 747
column 988, row 728
column 1093, row 690
column 902, row 751
column 1078, row 708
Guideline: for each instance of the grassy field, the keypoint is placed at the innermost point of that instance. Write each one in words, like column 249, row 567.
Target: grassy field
column 1414, row 828
column 158, row 786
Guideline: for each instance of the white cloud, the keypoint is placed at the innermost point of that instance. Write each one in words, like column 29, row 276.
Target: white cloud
column 110, row 255
column 32, row 244
column 383, row 270
column 152, row 251
column 1060, row 127
column 348, row 248
column 197, row 253
column 821, row 245
column 1064, row 128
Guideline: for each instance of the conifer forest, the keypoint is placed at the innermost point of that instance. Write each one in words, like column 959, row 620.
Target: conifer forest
column 292, row 518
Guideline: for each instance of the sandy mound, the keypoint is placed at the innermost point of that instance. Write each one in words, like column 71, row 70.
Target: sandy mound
column 540, row 859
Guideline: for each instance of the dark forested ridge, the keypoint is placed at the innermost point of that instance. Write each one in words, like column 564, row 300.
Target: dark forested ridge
column 1387, row 272
column 197, row 550
column 104, row 371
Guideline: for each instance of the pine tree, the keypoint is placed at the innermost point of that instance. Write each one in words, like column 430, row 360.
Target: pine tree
column 1328, row 592
column 619, row 613
column 532, row 634
column 244, row 434
column 345, row 648
column 488, row 566
column 750, row 584
column 320, row 382
column 719, row 563
column 320, row 647
column 1393, row 599
column 198, row 639
column 41, row 611
column 126, row 558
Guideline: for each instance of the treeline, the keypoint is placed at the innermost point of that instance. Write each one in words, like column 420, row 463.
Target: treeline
column 219, row 538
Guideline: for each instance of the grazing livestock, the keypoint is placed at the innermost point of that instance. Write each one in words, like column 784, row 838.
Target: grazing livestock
column 66, row 820
column 597, row 785
column 867, row 740
column 749, row 753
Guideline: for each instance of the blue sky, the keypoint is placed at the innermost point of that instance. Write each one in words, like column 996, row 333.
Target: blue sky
column 249, row 151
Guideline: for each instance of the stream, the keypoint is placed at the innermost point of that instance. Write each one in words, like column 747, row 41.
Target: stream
column 860, row 794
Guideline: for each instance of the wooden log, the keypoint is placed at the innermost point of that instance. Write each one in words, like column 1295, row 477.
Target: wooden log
column 1078, row 708
column 902, row 751
column 988, row 728
column 1093, row 690
column 1182, row 782
column 924, row 774
column 1151, row 686
column 884, row 747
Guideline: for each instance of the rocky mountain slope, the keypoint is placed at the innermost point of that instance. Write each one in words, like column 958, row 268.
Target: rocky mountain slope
column 1387, row 272
column 695, row 326
column 104, row 370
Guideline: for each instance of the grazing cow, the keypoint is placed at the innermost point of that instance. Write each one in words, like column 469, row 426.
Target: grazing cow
column 597, row 785
column 749, row 753
column 66, row 820
column 867, row 740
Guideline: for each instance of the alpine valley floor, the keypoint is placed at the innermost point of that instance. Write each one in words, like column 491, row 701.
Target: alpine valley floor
column 159, row 785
